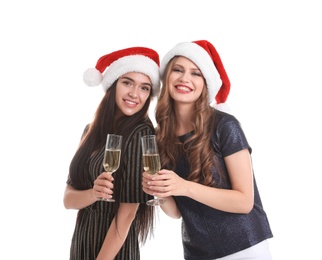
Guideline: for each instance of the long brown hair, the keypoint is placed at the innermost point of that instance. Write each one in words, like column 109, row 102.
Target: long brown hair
column 198, row 147
column 94, row 139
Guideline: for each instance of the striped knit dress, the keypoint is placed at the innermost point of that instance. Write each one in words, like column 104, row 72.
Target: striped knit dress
column 93, row 222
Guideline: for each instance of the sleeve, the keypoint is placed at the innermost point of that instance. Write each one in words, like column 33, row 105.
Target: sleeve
column 69, row 181
column 132, row 175
column 231, row 137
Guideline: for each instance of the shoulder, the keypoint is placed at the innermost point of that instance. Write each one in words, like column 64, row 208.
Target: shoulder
column 140, row 130
column 144, row 128
column 223, row 118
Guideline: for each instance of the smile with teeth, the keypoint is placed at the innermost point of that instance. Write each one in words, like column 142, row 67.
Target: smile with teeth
column 129, row 102
column 183, row 88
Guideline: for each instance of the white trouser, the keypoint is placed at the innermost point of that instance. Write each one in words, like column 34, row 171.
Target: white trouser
column 259, row 251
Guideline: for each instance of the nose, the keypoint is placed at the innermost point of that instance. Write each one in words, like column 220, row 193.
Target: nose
column 133, row 93
column 184, row 77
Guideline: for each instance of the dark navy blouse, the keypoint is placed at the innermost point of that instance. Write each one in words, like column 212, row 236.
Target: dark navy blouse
column 208, row 233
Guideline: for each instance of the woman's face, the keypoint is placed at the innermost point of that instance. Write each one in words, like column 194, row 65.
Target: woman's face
column 132, row 91
column 185, row 81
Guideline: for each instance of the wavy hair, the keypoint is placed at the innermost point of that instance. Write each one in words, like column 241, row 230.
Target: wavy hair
column 198, row 146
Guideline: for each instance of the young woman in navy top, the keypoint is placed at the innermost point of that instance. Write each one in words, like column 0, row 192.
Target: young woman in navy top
column 207, row 177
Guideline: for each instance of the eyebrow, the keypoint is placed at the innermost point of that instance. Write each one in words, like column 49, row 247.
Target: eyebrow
column 182, row 66
column 130, row 79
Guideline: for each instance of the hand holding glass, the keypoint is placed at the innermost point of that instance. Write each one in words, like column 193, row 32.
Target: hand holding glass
column 151, row 161
column 112, row 155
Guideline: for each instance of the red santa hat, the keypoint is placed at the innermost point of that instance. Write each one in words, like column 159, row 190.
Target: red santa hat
column 206, row 57
column 115, row 64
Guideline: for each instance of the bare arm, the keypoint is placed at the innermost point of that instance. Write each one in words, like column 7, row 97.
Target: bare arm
column 240, row 199
column 116, row 236
column 170, row 208
column 78, row 199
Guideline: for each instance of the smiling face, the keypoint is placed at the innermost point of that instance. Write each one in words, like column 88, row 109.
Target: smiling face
column 185, row 81
column 132, row 91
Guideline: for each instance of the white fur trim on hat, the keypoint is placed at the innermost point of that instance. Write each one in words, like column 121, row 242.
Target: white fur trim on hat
column 201, row 58
column 132, row 63
column 222, row 107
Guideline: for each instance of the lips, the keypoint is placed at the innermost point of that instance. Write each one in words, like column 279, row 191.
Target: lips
column 184, row 89
column 130, row 102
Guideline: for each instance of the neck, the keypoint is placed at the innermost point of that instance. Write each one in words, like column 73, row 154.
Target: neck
column 183, row 114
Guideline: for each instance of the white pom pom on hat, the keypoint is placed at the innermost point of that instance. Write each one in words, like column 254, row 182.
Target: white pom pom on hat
column 92, row 77
column 115, row 64
column 206, row 57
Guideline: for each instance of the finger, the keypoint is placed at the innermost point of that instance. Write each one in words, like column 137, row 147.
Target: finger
column 107, row 176
column 147, row 176
column 148, row 191
column 104, row 193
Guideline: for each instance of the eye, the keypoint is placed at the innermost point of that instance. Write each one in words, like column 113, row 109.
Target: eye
column 146, row 88
column 197, row 73
column 127, row 82
column 176, row 69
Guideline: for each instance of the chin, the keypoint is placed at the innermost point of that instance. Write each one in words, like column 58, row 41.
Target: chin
column 130, row 113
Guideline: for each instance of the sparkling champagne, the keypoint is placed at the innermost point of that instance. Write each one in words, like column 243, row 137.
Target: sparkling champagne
column 151, row 163
column 111, row 160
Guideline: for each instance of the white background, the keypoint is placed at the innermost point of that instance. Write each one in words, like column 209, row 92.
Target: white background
column 272, row 54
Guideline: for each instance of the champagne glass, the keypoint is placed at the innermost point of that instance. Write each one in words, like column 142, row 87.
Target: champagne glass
column 151, row 161
column 112, row 155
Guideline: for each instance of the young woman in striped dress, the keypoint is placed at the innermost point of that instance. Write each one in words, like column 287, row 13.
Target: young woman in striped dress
column 114, row 230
